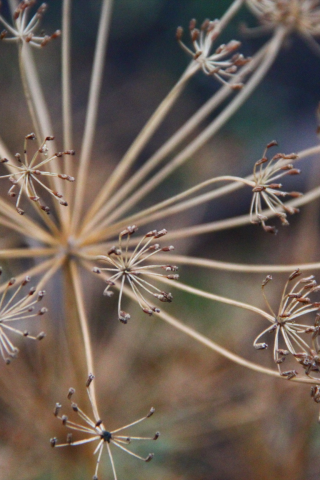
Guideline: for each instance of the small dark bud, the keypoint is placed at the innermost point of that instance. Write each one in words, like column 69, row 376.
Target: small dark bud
column 56, row 409
column 70, row 393
column 53, row 441
column 89, row 380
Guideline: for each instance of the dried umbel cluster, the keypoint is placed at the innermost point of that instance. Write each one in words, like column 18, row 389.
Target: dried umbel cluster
column 15, row 309
column 23, row 30
column 128, row 266
column 265, row 189
column 303, row 16
column 223, row 63
column 294, row 303
column 97, row 431
column 28, row 172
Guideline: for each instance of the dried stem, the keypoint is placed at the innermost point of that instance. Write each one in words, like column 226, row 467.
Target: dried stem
column 66, row 96
column 215, row 126
column 26, row 252
column 217, row 348
column 235, row 267
column 92, row 110
column 78, row 290
column 94, row 216
column 217, row 298
column 149, row 215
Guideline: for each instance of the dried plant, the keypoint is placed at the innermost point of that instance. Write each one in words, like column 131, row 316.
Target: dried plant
column 97, row 233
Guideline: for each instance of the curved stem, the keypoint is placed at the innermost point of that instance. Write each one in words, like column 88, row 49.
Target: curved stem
column 153, row 123
column 215, row 126
column 151, row 214
column 218, row 349
column 239, row 220
column 235, row 267
column 93, row 217
column 217, row 298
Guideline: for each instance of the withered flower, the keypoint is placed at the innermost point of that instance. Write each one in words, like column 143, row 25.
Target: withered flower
column 27, row 174
column 12, row 310
column 127, row 265
column 265, row 173
column 301, row 16
column 219, row 63
column 293, row 304
column 23, row 30
column 97, row 431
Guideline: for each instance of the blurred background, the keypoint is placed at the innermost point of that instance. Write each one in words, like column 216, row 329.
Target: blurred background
column 217, row 420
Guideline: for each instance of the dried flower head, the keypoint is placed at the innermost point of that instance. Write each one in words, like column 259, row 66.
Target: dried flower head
column 24, row 30
column 128, row 265
column 294, row 303
column 12, row 310
column 217, row 64
column 97, row 431
column 302, row 16
column 28, row 173
column 265, row 189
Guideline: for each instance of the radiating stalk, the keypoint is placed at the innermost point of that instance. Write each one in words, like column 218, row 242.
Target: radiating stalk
column 214, row 127
column 67, row 126
column 92, row 110
column 79, row 294
column 153, row 123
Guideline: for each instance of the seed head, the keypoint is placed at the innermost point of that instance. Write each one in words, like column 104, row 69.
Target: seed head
column 265, row 173
column 127, row 266
column 98, row 433
column 300, row 15
column 22, row 30
column 294, row 303
column 27, row 174
column 12, row 310
column 223, row 63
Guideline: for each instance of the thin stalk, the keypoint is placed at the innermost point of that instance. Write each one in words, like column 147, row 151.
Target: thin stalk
column 93, row 217
column 23, row 224
column 217, row 348
column 78, row 290
column 66, row 81
column 239, row 220
column 27, row 94
column 43, row 121
column 92, row 110
column 155, row 121
column 234, row 267
column 230, row 13
column 151, row 214
column 66, row 95
column 217, row 298
column 215, row 126
column 41, row 267
column 58, row 261
column 226, row 353
column 27, row 252
column 140, row 142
